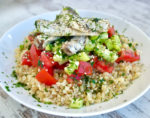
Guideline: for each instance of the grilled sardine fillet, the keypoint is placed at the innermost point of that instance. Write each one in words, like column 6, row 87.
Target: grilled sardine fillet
column 69, row 23
column 74, row 45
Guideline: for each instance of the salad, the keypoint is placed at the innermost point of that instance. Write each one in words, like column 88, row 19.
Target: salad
column 74, row 61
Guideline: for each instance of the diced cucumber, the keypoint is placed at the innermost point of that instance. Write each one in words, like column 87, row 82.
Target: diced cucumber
column 109, row 44
column 102, row 37
column 93, row 38
column 59, row 56
column 89, row 46
column 48, row 47
column 82, row 56
column 106, row 54
column 116, row 42
column 76, row 103
column 73, row 65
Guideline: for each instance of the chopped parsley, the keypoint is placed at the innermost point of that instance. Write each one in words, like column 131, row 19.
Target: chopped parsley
column 102, row 80
column 38, row 105
column 40, row 64
column 93, row 81
column 13, row 74
column 34, row 96
column 7, row 88
column 47, row 102
column 46, row 90
column 29, row 47
column 19, row 84
column 123, row 74
column 130, row 44
column 111, row 81
column 92, row 63
column 96, row 19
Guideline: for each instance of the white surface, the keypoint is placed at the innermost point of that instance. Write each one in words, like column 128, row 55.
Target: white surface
column 16, row 35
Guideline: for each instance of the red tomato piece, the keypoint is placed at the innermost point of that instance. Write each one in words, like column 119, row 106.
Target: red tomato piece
column 84, row 68
column 111, row 32
column 26, row 59
column 44, row 77
column 61, row 67
column 128, row 56
column 103, row 67
column 69, row 80
column 34, row 55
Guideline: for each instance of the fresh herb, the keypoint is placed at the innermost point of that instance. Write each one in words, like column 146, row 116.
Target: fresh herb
column 130, row 44
column 92, row 63
column 46, row 90
column 123, row 74
column 13, row 74
column 86, row 78
column 111, row 81
column 47, row 102
column 2, row 72
column 40, row 64
column 29, row 47
column 19, row 84
column 34, row 96
column 38, row 105
column 21, row 47
column 102, row 80
column 93, row 81
column 96, row 19
column 26, row 41
column 6, row 57
column 36, row 24
column 7, row 88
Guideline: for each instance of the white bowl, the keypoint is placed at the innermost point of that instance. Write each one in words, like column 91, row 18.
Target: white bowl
column 14, row 37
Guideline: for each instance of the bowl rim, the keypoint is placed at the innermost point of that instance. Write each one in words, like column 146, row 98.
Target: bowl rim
column 74, row 114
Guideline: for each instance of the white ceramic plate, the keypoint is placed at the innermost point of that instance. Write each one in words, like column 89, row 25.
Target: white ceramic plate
column 13, row 38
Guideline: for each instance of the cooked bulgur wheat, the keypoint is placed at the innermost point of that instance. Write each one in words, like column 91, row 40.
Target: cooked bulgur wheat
column 91, row 90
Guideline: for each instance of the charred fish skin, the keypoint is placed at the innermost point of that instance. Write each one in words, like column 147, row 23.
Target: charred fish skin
column 68, row 22
column 72, row 47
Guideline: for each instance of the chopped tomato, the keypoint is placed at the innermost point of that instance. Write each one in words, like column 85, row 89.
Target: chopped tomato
column 31, row 38
column 44, row 77
column 26, row 59
column 103, row 66
column 34, row 55
column 61, row 67
column 47, row 61
column 111, row 31
column 69, row 80
column 128, row 56
column 84, row 68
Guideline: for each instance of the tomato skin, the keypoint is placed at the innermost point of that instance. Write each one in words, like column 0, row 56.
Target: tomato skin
column 26, row 59
column 69, row 80
column 47, row 61
column 111, row 32
column 34, row 55
column 44, row 77
column 128, row 56
column 84, row 68
column 102, row 66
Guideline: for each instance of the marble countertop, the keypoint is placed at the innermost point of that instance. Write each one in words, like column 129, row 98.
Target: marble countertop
column 14, row 11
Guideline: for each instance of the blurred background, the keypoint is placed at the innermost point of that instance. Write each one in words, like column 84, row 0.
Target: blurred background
column 14, row 11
